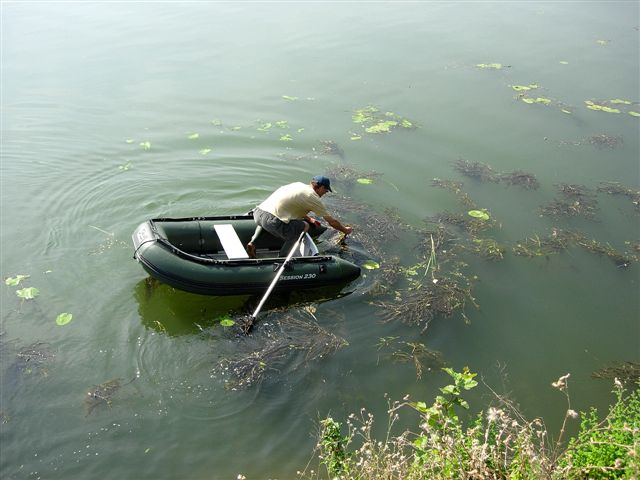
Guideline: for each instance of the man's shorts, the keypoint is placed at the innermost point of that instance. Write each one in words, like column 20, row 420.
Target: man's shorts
column 277, row 227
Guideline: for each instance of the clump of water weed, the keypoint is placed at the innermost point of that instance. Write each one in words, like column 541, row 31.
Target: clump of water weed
column 625, row 372
column 422, row 357
column 536, row 246
column 605, row 141
column 576, row 200
column 348, row 175
column 485, row 173
column 455, row 188
column 487, row 248
column 440, row 293
column 592, row 245
column 599, row 141
column 389, row 272
column 330, row 147
column 103, row 394
column 478, row 170
column 283, row 337
column 616, row 188
column 559, row 240
column 521, row 179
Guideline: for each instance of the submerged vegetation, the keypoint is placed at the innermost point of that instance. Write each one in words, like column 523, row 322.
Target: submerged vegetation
column 283, row 336
column 616, row 188
column 576, row 200
column 500, row 443
column 485, row 173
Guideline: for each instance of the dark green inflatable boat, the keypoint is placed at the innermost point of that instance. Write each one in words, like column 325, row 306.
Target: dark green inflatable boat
column 206, row 255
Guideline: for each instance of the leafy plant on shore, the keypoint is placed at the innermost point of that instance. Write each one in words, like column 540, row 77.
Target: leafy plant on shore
column 499, row 443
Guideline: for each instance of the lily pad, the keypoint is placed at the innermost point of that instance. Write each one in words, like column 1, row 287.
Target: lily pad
column 619, row 101
column 365, row 181
column 634, row 114
column 564, row 62
column 480, row 214
column 287, row 97
column 610, row 110
column 524, row 88
column 286, row 138
column 205, row 151
column 371, row 265
column 15, row 281
column 265, row 126
column 193, row 136
column 64, row 318
column 382, row 127
column 495, row 66
column 28, row 293
column 282, row 124
column 145, row 145
column 129, row 140
column 227, row 322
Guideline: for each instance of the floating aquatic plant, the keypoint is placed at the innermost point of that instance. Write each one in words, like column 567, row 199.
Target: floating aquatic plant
column 415, row 353
column 205, row 151
column 15, row 281
column 375, row 121
column 330, row 147
column 364, row 181
column 146, row 145
column 521, row 179
column 479, row 214
column 616, row 188
column 626, row 372
column 286, row 138
column 494, row 66
column 634, row 114
column 28, row 293
column 286, row 336
column 524, row 88
column 370, row 265
column 64, row 318
column 226, row 321
column 488, row 248
column 477, row 170
column 290, row 98
column 125, row 167
column 282, row 124
column 193, row 136
column 577, row 201
column 616, row 105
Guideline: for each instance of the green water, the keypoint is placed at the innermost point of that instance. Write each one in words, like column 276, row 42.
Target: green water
column 85, row 84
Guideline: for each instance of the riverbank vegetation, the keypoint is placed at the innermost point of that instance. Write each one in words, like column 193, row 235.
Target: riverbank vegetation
column 498, row 443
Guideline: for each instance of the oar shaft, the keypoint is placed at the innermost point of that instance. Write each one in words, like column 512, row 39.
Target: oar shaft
column 276, row 278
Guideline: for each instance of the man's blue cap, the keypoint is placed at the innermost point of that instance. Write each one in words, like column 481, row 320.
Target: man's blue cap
column 322, row 180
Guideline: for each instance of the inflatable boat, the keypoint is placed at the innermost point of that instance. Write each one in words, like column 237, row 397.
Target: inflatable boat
column 206, row 255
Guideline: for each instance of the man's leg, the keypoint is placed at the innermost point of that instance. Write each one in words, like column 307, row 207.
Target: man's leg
column 292, row 231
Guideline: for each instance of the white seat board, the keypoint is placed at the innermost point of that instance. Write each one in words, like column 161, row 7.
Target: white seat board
column 230, row 241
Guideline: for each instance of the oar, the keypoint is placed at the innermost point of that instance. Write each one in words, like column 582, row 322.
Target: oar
column 249, row 323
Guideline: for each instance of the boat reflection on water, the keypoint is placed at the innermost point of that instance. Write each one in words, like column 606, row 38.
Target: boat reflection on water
column 174, row 312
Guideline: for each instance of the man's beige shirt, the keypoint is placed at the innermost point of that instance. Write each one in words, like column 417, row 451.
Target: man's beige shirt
column 294, row 201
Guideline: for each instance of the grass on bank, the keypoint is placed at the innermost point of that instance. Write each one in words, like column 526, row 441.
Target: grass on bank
column 500, row 444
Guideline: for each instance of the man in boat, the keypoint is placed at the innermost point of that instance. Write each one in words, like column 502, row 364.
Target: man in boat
column 285, row 213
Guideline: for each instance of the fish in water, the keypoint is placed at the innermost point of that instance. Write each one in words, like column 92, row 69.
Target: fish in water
column 103, row 393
